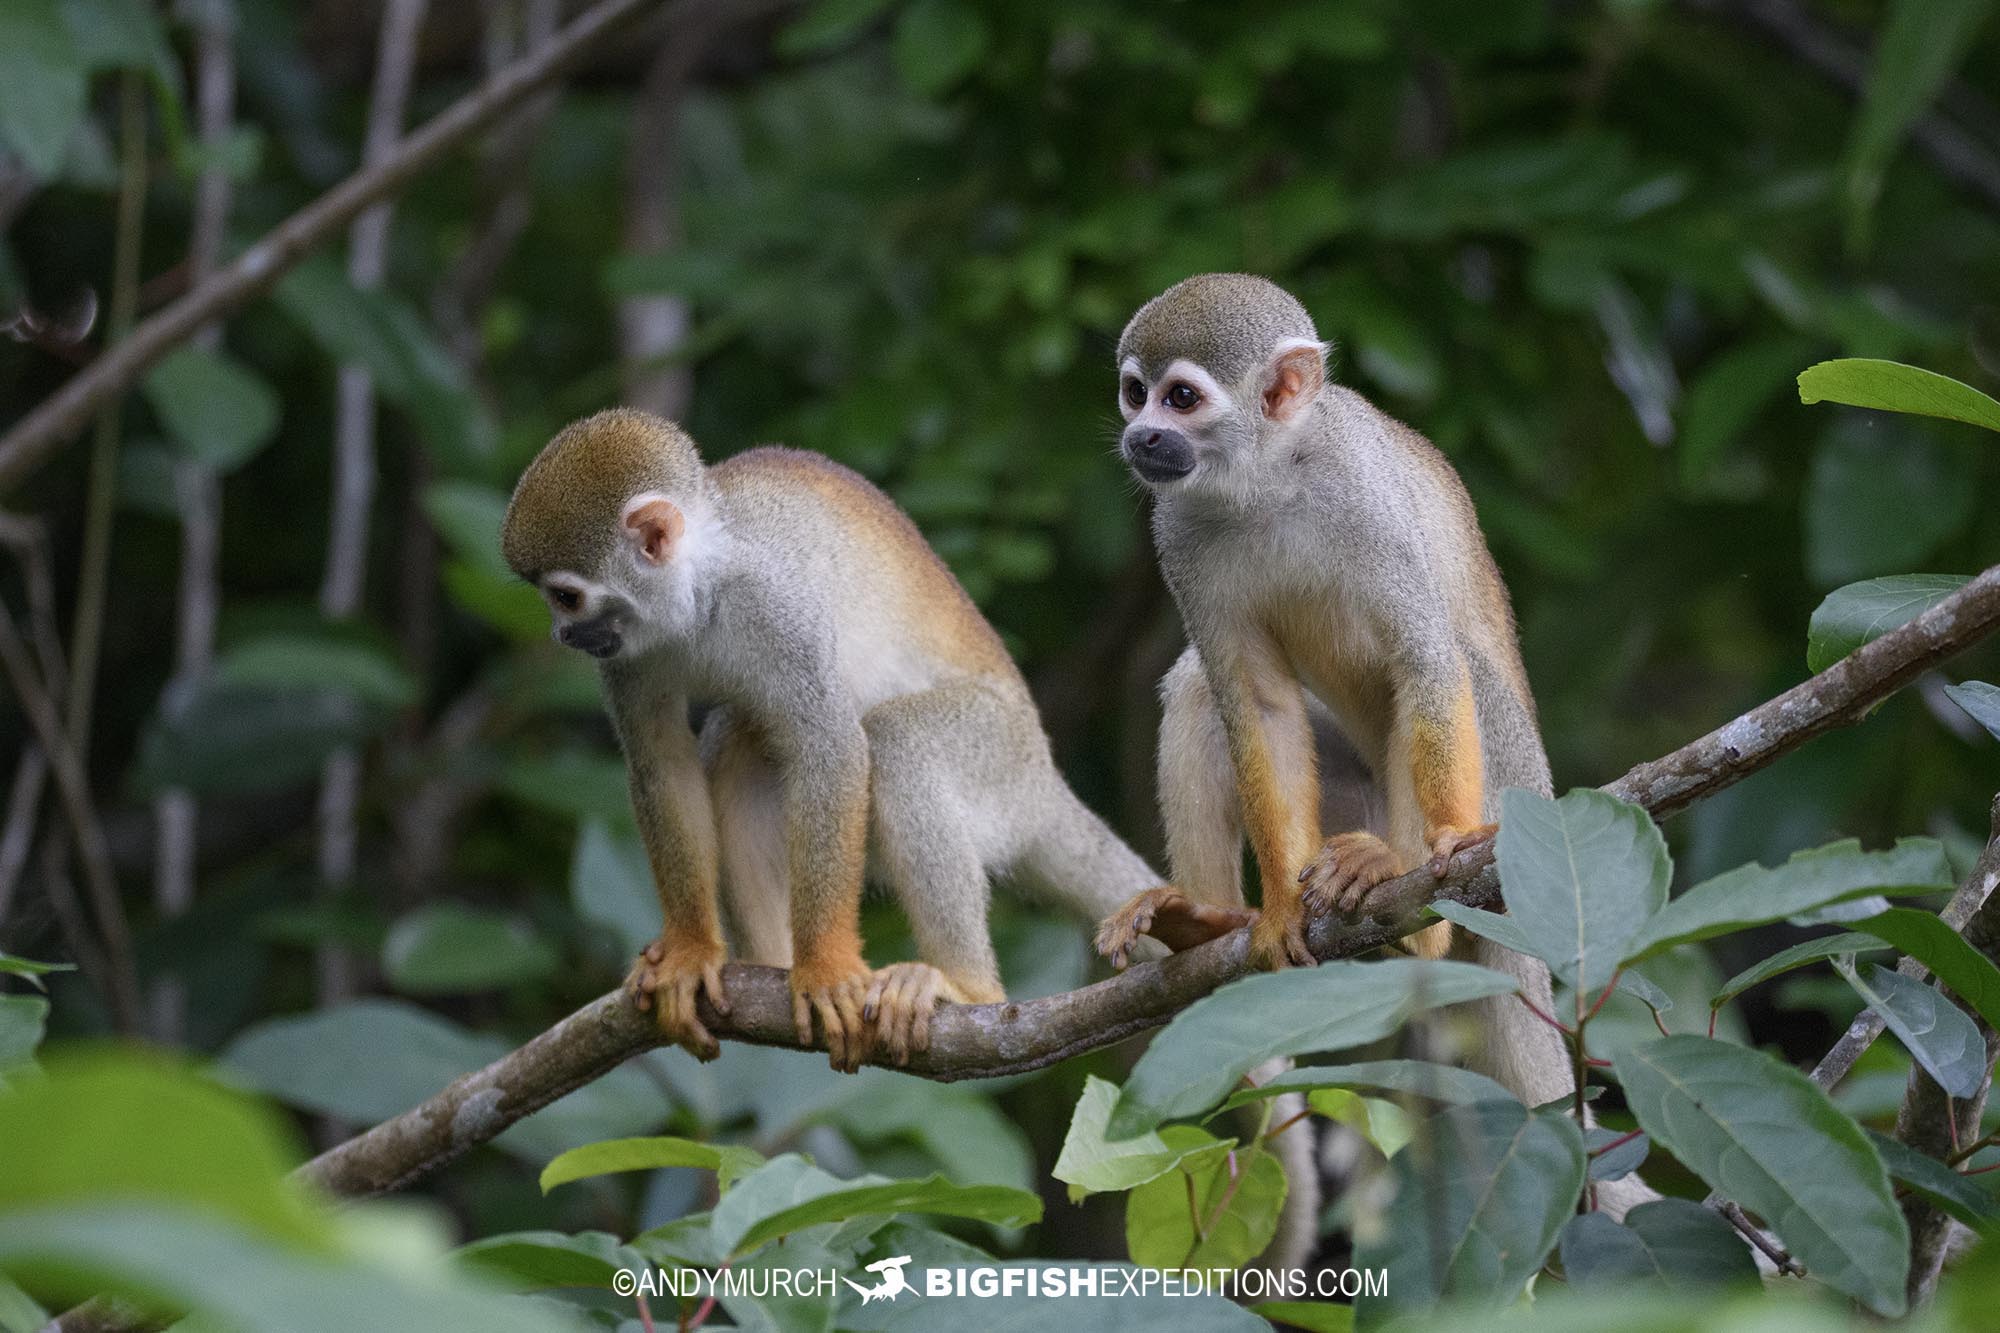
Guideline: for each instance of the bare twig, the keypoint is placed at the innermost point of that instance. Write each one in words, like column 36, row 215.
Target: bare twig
column 1931, row 1120
column 198, row 497
column 971, row 1041
column 28, row 539
column 253, row 272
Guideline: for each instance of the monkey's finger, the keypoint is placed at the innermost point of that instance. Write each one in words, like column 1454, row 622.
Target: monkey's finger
column 1295, row 947
column 654, row 952
column 871, row 1003
column 829, row 1023
column 802, row 1021
column 926, row 1005
column 711, row 982
column 847, row 1002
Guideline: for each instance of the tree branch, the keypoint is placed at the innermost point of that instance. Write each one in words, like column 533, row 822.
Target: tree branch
column 976, row 1041
column 258, row 268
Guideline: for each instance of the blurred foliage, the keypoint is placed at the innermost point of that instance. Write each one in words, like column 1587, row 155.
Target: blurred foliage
column 1585, row 247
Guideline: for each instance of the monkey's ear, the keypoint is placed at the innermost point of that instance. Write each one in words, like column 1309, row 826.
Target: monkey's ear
column 1296, row 372
column 653, row 525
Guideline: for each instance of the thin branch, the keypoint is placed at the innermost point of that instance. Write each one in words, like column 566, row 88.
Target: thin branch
column 975, row 1041
column 197, row 497
column 28, row 539
column 257, row 269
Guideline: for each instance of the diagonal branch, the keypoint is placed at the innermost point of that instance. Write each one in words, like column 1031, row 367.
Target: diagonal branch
column 258, row 268
column 974, row 1041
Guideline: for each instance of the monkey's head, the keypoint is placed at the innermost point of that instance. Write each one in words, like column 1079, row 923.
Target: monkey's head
column 599, row 523
column 1213, row 373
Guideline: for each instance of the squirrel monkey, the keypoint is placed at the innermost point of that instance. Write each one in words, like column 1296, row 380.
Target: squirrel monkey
column 1322, row 554
column 863, row 714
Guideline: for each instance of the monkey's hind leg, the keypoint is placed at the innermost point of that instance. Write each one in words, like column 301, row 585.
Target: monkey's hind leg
column 930, row 754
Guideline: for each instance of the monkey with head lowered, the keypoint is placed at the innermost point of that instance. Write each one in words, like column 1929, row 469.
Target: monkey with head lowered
column 863, row 716
column 1324, row 557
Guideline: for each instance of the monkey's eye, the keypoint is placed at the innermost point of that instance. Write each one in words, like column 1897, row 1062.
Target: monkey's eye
column 566, row 599
column 1182, row 397
column 1135, row 392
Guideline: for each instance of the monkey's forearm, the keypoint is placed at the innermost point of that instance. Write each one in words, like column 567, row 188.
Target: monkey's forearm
column 826, row 830
column 1441, row 730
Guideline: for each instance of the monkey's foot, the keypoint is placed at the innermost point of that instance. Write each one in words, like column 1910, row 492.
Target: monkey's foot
column 1447, row 842
column 899, row 1003
column 833, row 988
column 1278, row 938
column 1344, row 870
column 669, row 976
column 1169, row 916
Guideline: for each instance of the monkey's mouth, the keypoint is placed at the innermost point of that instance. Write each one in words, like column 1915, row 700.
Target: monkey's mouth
column 1158, row 456
column 599, row 638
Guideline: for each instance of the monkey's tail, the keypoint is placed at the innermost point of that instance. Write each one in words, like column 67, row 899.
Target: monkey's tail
column 1078, row 862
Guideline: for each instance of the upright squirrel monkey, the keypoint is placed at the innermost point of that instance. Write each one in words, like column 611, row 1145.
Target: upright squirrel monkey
column 864, row 713
column 1321, row 553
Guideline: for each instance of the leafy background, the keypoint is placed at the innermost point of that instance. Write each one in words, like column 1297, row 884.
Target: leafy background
column 1585, row 247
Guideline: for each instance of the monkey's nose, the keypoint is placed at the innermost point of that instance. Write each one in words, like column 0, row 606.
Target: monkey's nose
column 1159, row 455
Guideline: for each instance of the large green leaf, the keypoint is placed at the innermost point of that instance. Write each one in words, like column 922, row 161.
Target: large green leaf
column 1933, row 1029
column 1954, row 1191
column 611, row 884
column 323, row 661
column 1727, row 396
column 1751, row 895
column 1475, row 1215
column 32, row 970
column 1215, row 1041
column 447, row 948
column 42, row 84
column 534, row 1260
column 22, row 1020
column 1420, row 1078
column 1581, row 876
column 728, row 1161
column 1765, row 1136
column 938, row 42
column 1090, row 1163
column 1863, row 612
column 1668, row 1242
column 788, row 1194
column 1798, row 955
column 962, row 1130
column 225, row 738
column 1981, row 702
column 1893, row 387
column 1921, row 43
column 1878, row 500
column 212, row 405
column 1925, row 937
column 1238, row 1197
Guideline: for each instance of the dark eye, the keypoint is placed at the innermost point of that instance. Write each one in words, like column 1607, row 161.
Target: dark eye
column 1182, row 397
column 565, row 598
column 1135, row 393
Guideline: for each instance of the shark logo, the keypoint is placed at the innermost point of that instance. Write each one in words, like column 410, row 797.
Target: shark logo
column 892, row 1285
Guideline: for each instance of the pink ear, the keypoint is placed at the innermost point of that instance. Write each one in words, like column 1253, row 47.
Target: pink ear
column 1294, row 377
column 654, row 527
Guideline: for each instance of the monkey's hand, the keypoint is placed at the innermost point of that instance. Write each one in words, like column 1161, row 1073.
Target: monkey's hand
column 1169, row 916
column 1345, row 869
column 833, row 985
column 1278, row 936
column 900, row 1000
column 1446, row 842
column 668, row 977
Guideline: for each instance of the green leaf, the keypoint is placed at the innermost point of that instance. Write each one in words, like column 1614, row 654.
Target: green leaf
column 227, row 738
column 787, row 1194
column 1922, row 42
column 538, row 1260
column 212, row 405
column 468, row 516
column 728, row 1161
column 32, row 970
column 117, row 34
column 1863, row 612
column 1727, row 395
column 1238, row 1197
column 963, row 1131
column 1581, row 876
column 1640, row 988
column 1933, row 1029
column 327, row 661
column 1665, row 1243
column 827, row 24
column 1764, row 1135
column 1215, row 1041
column 1474, row 1217
column 1609, row 1163
column 22, row 1020
column 1926, row 938
column 1495, row 926
column 1980, row 701
column 1799, row 955
column 1313, row 1316
column 446, row 949
column 581, row 784
column 938, row 42
column 1420, row 1078
column 1879, row 500
column 135, row 1126
column 1890, row 386
column 42, row 85
column 611, row 884
column 1955, row 1192
column 1090, row 1163
column 1752, row 895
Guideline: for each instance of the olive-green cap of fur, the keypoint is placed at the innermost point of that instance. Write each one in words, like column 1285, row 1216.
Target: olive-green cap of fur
column 1226, row 323
column 564, row 514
